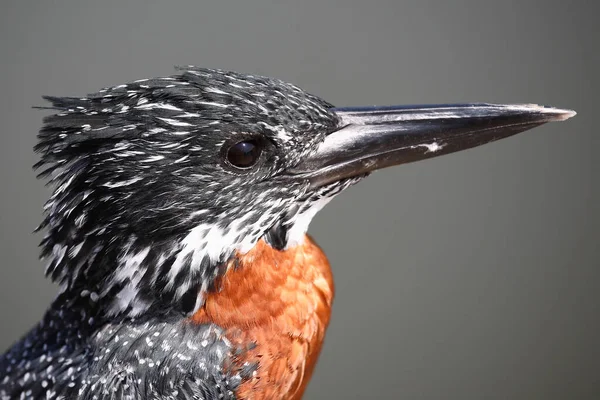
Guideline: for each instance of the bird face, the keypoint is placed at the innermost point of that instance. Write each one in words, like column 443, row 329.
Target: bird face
column 160, row 181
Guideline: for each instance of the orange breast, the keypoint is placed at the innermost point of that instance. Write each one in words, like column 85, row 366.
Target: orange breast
column 280, row 301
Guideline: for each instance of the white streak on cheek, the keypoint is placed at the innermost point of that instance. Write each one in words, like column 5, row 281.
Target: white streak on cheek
column 131, row 265
column 58, row 252
column 144, row 105
column 190, row 244
column 112, row 185
column 214, row 243
column 283, row 135
column 128, row 296
column 174, row 122
column 249, row 241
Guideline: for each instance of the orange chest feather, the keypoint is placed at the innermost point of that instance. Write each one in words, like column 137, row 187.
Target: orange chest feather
column 279, row 301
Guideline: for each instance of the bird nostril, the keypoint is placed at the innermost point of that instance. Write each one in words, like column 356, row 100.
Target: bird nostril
column 244, row 154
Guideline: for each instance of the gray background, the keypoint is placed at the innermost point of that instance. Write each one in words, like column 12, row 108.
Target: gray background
column 470, row 276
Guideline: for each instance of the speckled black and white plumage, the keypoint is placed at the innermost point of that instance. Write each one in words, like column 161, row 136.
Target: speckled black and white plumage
column 72, row 355
column 144, row 217
column 140, row 163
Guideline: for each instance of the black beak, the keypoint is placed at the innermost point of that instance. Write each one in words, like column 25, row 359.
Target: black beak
column 372, row 138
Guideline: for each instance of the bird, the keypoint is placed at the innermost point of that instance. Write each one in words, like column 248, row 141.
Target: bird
column 176, row 230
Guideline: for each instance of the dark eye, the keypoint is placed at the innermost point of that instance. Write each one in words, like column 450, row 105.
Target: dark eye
column 244, row 154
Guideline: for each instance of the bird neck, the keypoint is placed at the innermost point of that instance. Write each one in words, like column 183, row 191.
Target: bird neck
column 261, row 283
column 132, row 276
column 276, row 304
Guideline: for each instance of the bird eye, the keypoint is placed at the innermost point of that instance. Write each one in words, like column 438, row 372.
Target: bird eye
column 244, row 154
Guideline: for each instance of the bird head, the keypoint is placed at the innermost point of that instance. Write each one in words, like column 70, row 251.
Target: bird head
column 160, row 182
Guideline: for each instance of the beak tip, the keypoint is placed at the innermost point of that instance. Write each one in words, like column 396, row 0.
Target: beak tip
column 566, row 114
column 554, row 114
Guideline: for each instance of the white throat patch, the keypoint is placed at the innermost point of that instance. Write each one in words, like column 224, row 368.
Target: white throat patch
column 299, row 225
